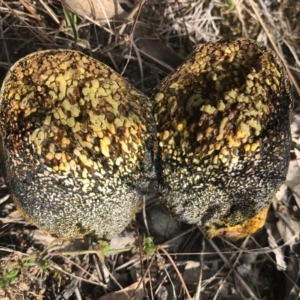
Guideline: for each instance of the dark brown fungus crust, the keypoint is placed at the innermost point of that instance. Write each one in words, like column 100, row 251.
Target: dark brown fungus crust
column 73, row 138
column 78, row 148
column 224, row 138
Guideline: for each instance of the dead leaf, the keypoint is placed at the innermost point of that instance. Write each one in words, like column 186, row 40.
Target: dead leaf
column 127, row 293
column 99, row 10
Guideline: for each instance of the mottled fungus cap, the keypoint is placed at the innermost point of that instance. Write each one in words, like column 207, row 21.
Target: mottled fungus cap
column 78, row 142
column 224, row 138
column 74, row 138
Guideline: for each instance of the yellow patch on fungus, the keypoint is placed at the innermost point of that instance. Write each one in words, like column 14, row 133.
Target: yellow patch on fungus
column 243, row 131
column 242, row 230
column 209, row 109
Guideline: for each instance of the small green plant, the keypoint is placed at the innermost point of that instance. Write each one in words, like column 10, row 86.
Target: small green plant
column 44, row 264
column 148, row 245
column 105, row 249
column 7, row 277
column 13, row 268
column 71, row 21
column 230, row 4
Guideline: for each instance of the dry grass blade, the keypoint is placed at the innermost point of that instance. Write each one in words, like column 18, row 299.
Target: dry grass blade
column 177, row 271
column 31, row 10
column 142, row 281
column 72, row 286
column 280, row 258
column 232, row 269
column 199, row 286
column 275, row 47
column 229, row 265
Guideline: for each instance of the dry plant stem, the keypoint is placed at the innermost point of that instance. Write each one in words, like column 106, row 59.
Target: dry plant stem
column 198, row 291
column 73, row 253
column 140, row 62
column 50, row 11
column 187, row 33
column 271, row 39
column 104, row 268
column 136, row 9
column 150, row 288
column 91, row 251
column 279, row 254
column 274, row 262
column 3, row 199
column 265, row 249
column 237, row 4
column 112, row 277
column 13, row 251
column 144, row 215
column 133, row 262
column 3, row 40
column 169, row 277
column 104, row 271
column 232, row 268
column 267, row 13
column 108, row 30
column 58, row 268
column 30, row 9
column 7, row 10
column 160, row 62
column 215, row 277
column 118, row 284
column 188, row 241
column 141, row 264
column 39, row 35
column 69, row 289
column 176, row 269
column 169, row 242
column 104, row 13
column 295, row 55
column 160, row 285
column 77, row 293
column 228, row 264
column 143, row 277
column 129, row 57
column 113, row 61
column 128, row 264
column 82, row 269
column 101, row 276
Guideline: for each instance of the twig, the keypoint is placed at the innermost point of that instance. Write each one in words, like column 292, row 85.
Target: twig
column 232, row 267
column 271, row 39
column 177, row 271
column 198, row 291
column 143, row 277
column 228, row 264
